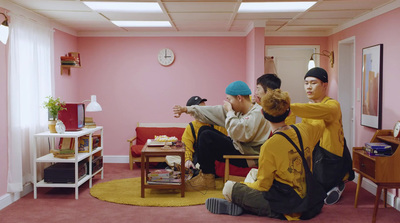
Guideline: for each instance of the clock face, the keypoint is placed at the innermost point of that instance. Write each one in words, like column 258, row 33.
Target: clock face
column 166, row 57
column 396, row 130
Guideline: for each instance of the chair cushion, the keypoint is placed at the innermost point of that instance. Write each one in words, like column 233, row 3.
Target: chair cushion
column 145, row 133
column 233, row 170
column 136, row 150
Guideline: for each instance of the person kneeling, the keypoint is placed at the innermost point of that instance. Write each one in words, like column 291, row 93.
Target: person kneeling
column 284, row 163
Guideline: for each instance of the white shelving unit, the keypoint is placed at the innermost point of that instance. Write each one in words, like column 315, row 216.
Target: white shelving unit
column 49, row 158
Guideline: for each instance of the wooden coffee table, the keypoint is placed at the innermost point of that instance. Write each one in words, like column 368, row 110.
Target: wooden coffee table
column 161, row 151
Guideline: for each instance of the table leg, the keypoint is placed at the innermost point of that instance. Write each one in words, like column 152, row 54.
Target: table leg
column 358, row 189
column 142, row 175
column 183, row 175
column 377, row 199
column 385, row 197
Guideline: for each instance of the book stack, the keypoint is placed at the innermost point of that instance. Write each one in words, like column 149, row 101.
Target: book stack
column 378, row 149
column 83, row 145
column 89, row 123
column 69, row 60
column 65, row 148
column 163, row 176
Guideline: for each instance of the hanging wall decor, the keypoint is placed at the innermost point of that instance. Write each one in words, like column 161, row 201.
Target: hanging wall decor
column 371, row 103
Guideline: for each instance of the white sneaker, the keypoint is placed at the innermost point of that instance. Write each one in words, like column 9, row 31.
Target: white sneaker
column 334, row 194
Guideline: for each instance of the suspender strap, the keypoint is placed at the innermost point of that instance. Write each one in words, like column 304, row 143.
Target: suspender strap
column 194, row 134
column 305, row 164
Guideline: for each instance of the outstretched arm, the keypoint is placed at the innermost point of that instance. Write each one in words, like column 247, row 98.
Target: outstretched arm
column 178, row 110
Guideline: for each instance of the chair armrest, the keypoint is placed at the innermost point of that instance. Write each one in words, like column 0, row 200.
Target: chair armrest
column 131, row 139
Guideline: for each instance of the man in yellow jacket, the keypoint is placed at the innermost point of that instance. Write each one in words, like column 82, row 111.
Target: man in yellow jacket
column 332, row 164
column 190, row 135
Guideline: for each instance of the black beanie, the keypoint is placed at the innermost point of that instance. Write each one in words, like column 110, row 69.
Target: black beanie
column 318, row 73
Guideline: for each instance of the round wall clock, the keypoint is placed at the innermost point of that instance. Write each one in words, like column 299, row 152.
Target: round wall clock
column 166, row 57
column 396, row 130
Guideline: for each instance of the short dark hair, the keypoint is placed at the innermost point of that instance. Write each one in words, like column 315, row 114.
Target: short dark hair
column 271, row 81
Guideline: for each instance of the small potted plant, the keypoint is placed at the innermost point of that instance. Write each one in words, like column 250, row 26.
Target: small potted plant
column 53, row 106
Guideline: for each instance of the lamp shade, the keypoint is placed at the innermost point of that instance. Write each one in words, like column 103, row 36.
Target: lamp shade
column 311, row 64
column 4, row 30
column 93, row 106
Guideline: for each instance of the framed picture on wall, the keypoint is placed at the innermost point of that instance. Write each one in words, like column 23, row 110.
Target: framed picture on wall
column 371, row 103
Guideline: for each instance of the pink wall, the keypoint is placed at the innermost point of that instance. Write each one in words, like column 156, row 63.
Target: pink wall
column 3, row 120
column 250, row 56
column 132, row 86
column 66, row 87
column 381, row 29
column 255, row 56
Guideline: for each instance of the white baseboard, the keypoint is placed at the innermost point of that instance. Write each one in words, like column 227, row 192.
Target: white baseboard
column 116, row 159
column 368, row 185
column 10, row 198
column 5, row 200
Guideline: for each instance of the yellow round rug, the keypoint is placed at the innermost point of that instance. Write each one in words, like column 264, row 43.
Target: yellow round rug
column 127, row 191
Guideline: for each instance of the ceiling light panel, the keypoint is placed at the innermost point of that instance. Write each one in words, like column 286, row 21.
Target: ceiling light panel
column 142, row 23
column 117, row 16
column 195, row 7
column 260, row 7
column 141, row 7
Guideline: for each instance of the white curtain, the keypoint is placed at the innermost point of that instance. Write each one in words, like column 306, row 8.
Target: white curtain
column 30, row 80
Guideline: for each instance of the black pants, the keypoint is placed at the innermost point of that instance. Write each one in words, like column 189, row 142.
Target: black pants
column 212, row 145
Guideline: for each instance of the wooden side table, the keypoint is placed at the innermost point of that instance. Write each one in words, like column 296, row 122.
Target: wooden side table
column 383, row 171
column 148, row 152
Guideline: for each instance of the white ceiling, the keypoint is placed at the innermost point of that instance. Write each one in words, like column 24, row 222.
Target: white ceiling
column 206, row 16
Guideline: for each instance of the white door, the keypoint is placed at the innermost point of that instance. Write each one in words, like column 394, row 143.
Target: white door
column 346, row 92
column 291, row 64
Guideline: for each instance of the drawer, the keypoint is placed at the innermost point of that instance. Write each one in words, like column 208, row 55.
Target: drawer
column 364, row 164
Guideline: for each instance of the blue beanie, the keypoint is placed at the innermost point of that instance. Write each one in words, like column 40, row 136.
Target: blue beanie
column 238, row 88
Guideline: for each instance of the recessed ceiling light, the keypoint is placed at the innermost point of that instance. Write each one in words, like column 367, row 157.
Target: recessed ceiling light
column 142, row 23
column 274, row 6
column 144, row 7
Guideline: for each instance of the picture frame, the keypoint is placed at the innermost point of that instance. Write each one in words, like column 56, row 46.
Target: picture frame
column 371, row 91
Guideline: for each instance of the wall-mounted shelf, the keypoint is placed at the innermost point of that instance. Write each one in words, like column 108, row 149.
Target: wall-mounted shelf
column 68, row 67
column 72, row 59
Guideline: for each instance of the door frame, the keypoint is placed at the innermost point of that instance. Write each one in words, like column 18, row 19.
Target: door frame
column 346, row 65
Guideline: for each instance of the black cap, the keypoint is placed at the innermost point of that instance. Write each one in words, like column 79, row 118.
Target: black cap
column 195, row 100
column 318, row 73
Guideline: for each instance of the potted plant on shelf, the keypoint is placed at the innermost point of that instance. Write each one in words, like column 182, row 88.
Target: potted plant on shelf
column 54, row 106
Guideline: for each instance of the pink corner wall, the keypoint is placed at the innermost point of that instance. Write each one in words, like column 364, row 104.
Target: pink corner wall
column 3, row 120
column 66, row 87
column 132, row 86
column 384, row 30
column 254, row 56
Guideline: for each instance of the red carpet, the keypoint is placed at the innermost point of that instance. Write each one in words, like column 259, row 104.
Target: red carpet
column 59, row 205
